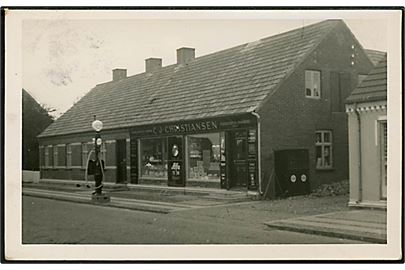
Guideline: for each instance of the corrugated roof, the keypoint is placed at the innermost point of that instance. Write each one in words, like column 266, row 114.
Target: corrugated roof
column 374, row 86
column 228, row 82
column 375, row 56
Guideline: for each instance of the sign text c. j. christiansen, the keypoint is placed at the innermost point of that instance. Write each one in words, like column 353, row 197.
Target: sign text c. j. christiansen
column 189, row 127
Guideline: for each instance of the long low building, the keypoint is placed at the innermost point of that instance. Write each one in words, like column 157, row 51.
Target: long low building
column 266, row 116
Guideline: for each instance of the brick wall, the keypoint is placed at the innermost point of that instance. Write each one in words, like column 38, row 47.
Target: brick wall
column 78, row 173
column 289, row 120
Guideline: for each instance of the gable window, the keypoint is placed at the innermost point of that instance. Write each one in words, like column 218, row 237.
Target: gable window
column 323, row 145
column 313, row 84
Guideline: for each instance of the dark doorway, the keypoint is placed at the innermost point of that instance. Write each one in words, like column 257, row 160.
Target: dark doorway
column 176, row 177
column 238, row 169
column 121, row 154
column 292, row 172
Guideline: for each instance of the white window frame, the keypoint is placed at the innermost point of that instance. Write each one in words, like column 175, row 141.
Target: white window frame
column 68, row 155
column 322, row 143
column 56, row 155
column 46, row 165
column 312, row 72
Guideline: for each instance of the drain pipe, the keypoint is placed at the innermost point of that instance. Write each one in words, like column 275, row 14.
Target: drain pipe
column 360, row 198
column 259, row 156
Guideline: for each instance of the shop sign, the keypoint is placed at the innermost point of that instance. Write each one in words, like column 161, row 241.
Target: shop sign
column 185, row 127
column 201, row 126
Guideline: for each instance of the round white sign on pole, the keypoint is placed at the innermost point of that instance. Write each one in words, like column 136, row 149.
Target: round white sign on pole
column 303, row 178
column 97, row 125
column 98, row 142
column 293, row 178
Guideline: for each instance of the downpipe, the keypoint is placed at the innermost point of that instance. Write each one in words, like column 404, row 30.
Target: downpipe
column 360, row 198
column 259, row 156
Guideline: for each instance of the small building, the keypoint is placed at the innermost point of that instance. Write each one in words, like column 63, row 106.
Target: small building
column 34, row 120
column 367, row 110
column 266, row 117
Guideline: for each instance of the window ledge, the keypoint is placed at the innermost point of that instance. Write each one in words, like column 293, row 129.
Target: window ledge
column 316, row 98
column 325, row 169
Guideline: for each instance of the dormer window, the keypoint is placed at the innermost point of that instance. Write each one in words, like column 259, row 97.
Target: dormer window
column 313, row 84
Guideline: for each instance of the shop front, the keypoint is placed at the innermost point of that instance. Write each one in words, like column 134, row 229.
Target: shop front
column 212, row 153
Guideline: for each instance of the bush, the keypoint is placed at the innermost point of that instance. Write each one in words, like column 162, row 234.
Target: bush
column 334, row 189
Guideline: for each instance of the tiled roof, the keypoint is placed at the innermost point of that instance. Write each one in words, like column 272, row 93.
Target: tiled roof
column 375, row 56
column 227, row 82
column 374, row 86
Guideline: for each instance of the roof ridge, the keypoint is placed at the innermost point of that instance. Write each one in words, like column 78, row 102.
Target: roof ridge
column 234, row 47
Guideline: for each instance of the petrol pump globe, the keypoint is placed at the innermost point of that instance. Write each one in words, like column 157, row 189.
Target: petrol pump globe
column 97, row 125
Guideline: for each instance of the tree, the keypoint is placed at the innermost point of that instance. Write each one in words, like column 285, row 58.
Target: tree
column 35, row 118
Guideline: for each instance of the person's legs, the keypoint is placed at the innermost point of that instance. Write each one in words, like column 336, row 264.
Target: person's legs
column 98, row 182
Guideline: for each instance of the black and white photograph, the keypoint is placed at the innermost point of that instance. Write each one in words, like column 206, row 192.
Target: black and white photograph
column 224, row 134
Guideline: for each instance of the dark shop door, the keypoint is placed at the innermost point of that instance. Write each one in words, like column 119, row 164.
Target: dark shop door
column 175, row 164
column 121, row 153
column 238, row 159
column 292, row 171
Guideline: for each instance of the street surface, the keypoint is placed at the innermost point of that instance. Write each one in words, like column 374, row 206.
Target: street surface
column 47, row 221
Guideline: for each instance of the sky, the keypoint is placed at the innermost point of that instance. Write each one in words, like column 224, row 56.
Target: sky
column 63, row 59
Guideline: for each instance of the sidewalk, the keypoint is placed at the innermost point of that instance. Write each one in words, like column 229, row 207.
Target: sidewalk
column 364, row 225
column 142, row 198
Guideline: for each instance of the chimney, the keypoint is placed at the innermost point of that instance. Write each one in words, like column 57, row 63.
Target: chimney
column 185, row 55
column 152, row 64
column 119, row 74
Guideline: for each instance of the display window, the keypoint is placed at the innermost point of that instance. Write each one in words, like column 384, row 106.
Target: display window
column 204, row 156
column 153, row 158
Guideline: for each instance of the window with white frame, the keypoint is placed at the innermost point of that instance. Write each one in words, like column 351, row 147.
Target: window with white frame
column 55, row 156
column 313, row 84
column 68, row 155
column 48, row 156
column 61, row 155
column 323, row 146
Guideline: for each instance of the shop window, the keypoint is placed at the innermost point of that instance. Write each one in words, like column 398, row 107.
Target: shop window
column 153, row 158
column 383, row 160
column 323, row 147
column 313, row 84
column 76, row 155
column 204, row 157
